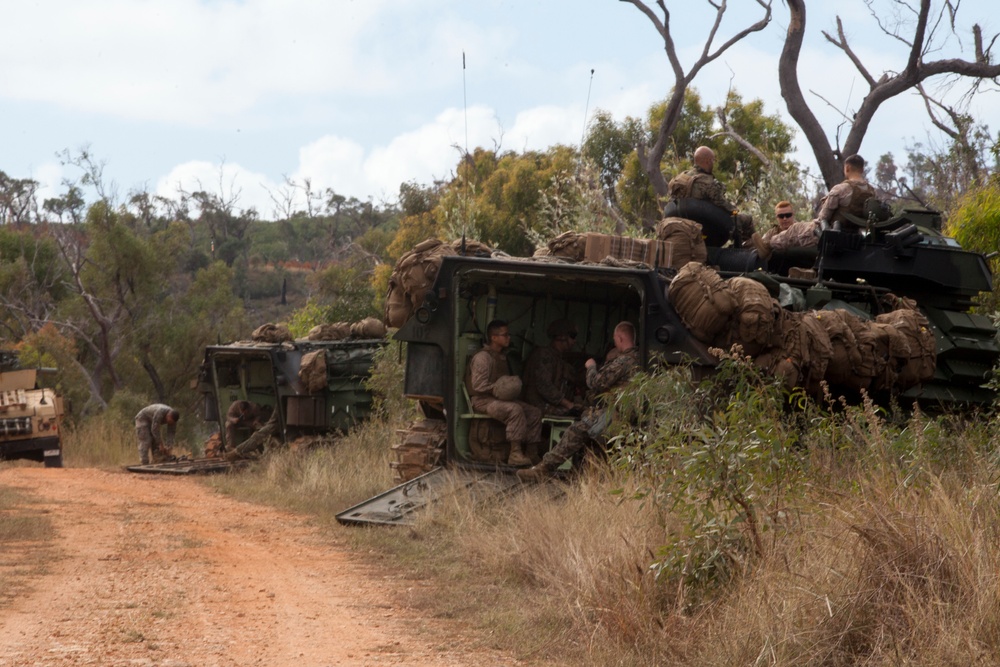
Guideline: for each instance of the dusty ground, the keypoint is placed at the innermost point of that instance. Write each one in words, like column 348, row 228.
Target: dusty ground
column 157, row 570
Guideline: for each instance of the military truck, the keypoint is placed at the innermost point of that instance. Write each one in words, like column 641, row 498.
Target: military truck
column 906, row 256
column 30, row 415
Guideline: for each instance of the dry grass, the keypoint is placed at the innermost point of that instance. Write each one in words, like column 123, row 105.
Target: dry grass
column 100, row 442
column 891, row 556
column 321, row 481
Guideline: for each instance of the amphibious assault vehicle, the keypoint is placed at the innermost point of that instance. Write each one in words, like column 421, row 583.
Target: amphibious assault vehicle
column 268, row 374
column 30, row 415
column 906, row 255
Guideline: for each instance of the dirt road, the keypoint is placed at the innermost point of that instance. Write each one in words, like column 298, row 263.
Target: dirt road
column 150, row 570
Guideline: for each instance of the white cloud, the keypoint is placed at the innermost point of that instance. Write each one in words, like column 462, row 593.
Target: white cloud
column 189, row 61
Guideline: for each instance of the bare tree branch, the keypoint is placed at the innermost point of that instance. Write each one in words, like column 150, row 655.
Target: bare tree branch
column 651, row 158
column 891, row 84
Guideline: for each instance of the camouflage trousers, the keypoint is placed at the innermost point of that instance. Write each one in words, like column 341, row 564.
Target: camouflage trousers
column 261, row 440
column 149, row 448
column 523, row 421
column 588, row 430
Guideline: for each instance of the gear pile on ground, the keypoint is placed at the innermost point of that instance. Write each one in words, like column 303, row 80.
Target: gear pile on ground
column 893, row 352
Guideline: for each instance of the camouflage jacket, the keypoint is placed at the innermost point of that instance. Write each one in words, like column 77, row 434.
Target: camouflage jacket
column 696, row 183
column 546, row 376
column 612, row 375
column 801, row 234
column 153, row 417
column 846, row 197
column 485, row 368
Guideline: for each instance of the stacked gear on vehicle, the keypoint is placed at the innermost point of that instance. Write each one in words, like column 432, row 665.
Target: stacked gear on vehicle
column 893, row 352
column 703, row 300
column 756, row 312
column 415, row 272
column 686, row 242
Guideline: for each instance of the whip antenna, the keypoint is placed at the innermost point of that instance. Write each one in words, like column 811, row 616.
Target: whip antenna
column 465, row 111
column 586, row 109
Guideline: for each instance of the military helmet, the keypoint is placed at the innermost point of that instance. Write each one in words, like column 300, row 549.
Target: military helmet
column 507, row 388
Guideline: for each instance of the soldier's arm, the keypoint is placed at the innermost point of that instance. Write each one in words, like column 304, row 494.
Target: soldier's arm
column 831, row 203
column 479, row 374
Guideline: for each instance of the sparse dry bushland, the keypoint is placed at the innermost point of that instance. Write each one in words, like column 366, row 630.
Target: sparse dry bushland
column 728, row 529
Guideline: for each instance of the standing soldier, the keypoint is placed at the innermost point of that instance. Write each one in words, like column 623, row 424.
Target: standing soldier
column 596, row 417
column 148, row 423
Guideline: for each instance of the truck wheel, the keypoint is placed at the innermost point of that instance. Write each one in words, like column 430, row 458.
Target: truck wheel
column 419, row 449
column 54, row 461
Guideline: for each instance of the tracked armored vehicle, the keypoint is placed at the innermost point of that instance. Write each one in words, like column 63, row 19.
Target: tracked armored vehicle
column 268, row 374
column 30, row 415
column 332, row 400
column 906, row 256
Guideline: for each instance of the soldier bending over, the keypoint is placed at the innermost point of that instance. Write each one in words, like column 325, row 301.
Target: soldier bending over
column 148, row 424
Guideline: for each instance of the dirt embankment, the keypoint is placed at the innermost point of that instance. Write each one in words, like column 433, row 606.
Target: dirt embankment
column 149, row 570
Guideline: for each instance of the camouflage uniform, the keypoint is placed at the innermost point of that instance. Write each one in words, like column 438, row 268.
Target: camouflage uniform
column 846, row 197
column 264, row 438
column 148, row 422
column 546, row 380
column 696, row 183
column 523, row 420
column 241, row 414
column 800, row 235
column 595, row 418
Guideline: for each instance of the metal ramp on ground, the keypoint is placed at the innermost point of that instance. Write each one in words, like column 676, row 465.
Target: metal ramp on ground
column 397, row 506
column 202, row 466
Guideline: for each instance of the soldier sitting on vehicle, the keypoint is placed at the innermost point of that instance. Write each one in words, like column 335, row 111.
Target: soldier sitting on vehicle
column 699, row 183
column 788, row 233
column 148, row 424
column 241, row 415
column 848, row 196
column 596, row 416
column 523, row 421
column 547, row 375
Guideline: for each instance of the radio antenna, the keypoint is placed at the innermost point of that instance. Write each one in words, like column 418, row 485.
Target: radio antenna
column 586, row 109
column 465, row 111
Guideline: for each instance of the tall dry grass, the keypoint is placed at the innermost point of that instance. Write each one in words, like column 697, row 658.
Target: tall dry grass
column 103, row 441
column 881, row 549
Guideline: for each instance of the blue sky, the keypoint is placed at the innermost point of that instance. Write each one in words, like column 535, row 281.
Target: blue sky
column 361, row 95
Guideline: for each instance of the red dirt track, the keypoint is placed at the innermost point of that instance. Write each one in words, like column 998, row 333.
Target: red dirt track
column 158, row 570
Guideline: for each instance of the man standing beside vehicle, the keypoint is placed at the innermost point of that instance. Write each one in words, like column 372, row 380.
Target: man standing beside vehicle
column 148, row 424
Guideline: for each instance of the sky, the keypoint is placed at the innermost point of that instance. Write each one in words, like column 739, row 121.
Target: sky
column 238, row 97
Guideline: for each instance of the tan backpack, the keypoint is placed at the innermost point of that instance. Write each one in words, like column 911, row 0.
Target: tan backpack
column 703, row 301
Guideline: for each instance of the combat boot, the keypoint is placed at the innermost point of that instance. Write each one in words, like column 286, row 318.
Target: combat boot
column 517, row 456
column 531, row 450
column 535, row 474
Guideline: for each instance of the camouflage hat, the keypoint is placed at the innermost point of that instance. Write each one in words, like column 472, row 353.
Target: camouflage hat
column 561, row 327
